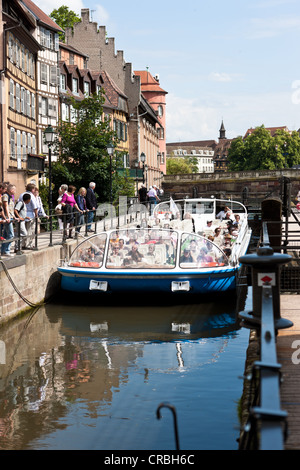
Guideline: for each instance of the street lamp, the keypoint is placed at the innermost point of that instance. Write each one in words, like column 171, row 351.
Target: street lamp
column 49, row 138
column 143, row 159
column 136, row 164
column 110, row 150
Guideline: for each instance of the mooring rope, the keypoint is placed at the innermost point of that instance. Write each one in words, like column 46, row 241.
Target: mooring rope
column 28, row 302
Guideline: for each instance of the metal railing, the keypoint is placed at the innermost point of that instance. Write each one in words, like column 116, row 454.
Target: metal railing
column 267, row 425
column 49, row 231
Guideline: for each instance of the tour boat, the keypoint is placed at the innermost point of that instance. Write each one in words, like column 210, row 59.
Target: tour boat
column 189, row 246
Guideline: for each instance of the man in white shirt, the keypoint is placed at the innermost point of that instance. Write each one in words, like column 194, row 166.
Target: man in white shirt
column 32, row 215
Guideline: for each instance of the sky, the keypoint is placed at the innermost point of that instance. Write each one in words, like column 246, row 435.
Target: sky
column 233, row 60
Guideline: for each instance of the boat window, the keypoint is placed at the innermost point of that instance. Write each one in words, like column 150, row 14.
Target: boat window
column 142, row 249
column 199, row 252
column 90, row 253
column 200, row 207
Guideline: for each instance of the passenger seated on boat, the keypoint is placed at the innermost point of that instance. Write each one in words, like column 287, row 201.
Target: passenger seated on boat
column 151, row 250
column 233, row 232
column 208, row 229
column 218, row 238
column 134, row 255
column 237, row 221
column 225, row 256
column 222, row 214
column 116, row 255
column 188, row 223
column 227, row 243
column 204, row 257
column 194, row 250
column 186, row 256
column 90, row 254
column 176, row 223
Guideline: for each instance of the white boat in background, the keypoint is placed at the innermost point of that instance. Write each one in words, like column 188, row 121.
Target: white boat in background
column 188, row 246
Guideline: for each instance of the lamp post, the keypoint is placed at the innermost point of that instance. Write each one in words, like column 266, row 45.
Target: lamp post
column 49, row 138
column 136, row 164
column 110, row 150
column 143, row 159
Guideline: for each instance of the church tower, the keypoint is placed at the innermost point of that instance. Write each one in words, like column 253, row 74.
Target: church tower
column 222, row 132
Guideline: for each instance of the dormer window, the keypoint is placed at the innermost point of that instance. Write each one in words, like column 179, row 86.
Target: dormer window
column 75, row 86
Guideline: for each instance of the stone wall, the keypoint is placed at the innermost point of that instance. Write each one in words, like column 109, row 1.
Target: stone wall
column 34, row 275
column 259, row 184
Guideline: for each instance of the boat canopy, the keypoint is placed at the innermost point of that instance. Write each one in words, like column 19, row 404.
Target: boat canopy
column 154, row 248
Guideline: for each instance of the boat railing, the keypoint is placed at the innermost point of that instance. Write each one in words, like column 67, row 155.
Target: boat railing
column 266, row 425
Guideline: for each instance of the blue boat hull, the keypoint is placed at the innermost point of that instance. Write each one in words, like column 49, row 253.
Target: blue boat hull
column 198, row 283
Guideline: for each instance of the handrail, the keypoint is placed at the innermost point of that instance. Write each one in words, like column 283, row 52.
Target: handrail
column 264, row 427
column 58, row 236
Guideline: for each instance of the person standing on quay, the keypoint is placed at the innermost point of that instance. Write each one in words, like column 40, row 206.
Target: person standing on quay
column 32, row 215
column 8, row 217
column 91, row 204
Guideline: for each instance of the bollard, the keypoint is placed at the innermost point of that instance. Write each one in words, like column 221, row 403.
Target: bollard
column 265, row 270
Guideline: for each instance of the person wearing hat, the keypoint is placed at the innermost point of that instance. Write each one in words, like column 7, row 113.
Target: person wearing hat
column 186, row 256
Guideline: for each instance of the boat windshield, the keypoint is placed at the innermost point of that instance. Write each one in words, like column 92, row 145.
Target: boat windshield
column 142, row 249
column 90, row 253
column 199, row 252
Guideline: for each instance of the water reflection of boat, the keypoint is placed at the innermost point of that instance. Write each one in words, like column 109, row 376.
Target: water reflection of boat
column 165, row 323
column 172, row 252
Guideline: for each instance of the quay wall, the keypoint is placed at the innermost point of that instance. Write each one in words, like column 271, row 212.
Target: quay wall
column 258, row 184
column 34, row 275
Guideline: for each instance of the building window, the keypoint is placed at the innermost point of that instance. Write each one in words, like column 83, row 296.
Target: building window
column 32, row 105
column 24, row 148
column 63, row 81
column 28, row 143
column 86, row 88
column 44, row 73
column 44, row 106
column 12, row 143
column 18, row 93
column 65, row 112
column 11, row 94
column 160, row 111
column 53, row 75
column 75, row 86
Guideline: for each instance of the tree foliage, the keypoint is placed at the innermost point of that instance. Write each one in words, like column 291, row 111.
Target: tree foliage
column 177, row 166
column 64, row 17
column 82, row 148
column 261, row 151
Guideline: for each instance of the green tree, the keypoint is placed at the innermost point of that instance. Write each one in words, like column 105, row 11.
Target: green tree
column 177, row 166
column 81, row 146
column 64, row 17
column 261, row 151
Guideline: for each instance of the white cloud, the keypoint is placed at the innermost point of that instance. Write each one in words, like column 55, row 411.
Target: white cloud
column 190, row 119
column 220, row 77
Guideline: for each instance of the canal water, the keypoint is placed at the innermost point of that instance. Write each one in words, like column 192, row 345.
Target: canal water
column 91, row 377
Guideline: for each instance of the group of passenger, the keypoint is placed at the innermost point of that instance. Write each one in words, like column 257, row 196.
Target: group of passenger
column 19, row 216
column 128, row 248
column 224, row 231
column 72, row 209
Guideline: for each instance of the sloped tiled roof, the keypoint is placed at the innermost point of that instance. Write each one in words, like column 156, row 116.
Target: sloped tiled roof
column 40, row 15
column 148, row 82
column 194, row 144
column 72, row 49
column 272, row 130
